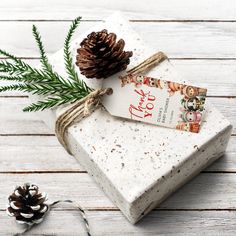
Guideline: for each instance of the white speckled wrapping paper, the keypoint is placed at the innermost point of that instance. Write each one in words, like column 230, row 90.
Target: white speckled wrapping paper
column 138, row 165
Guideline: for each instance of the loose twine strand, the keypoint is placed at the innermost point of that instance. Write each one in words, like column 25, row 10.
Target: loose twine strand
column 82, row 213
column 85, row 106
column 81, row 210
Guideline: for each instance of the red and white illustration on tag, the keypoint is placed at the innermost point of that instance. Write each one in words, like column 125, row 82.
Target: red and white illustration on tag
column 157, row 101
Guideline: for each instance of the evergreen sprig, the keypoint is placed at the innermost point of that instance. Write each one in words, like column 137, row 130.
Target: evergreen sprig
column 45, row 81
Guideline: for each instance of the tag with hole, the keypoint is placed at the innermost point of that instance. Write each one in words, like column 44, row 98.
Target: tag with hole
column 156, row 101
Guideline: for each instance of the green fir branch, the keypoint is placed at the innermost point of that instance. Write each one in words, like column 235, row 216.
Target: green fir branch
column 10, row 68
column 13, row 78
column 44, row 59
column 45, row 81
column 20, row 63
column 16, row 73
column 67, row 54
column 39, row 89
column 52, row 102
column 47, row 67
column 7, row 54
column 70, row 68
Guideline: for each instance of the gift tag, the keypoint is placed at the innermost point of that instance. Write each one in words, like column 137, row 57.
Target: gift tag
column 156, row 101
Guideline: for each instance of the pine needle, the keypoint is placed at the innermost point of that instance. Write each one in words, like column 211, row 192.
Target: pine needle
column 44, row 59
column 67, row 54
column 51, row 102
column 45, row 81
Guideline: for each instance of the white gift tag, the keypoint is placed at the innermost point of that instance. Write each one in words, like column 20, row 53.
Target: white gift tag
column 156, row 101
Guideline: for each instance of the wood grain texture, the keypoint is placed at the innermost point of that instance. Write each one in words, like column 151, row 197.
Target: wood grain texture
column 40, row 154
column 218, row 76
column 134, row 9
column 200, row 37
column 34, row 154
column 176, row 39
column 198, row 194
column 107, row 223
column 14, row 121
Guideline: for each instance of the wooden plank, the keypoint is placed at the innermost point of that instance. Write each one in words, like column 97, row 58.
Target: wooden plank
column 181, row 40
column 192, row 209
column 218, row 76
column 227, row 107
column 204, row 192
column 227, row 163
column 34, row 154
column 75, row 186
column 45, row 154
column 14, row 121
column 107, row 223
column 154, row 10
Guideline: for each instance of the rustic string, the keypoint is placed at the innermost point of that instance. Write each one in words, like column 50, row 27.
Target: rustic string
column 81, row 210
column 80, row 109
column 85, row 106
column 148, row 64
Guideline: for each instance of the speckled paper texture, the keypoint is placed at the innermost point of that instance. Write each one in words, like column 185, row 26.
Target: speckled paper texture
column 138, row 165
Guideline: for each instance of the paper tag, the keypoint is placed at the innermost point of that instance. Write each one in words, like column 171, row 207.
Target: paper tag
column 156, row 101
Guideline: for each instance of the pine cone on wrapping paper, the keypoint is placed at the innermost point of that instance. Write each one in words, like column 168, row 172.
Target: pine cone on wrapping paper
column 27, row 204
column 100, row 56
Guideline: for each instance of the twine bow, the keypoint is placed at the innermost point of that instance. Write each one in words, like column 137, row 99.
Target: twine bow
column 85, row 106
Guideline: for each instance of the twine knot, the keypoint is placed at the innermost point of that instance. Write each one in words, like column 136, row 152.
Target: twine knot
column 85, row 106
column 79, row 110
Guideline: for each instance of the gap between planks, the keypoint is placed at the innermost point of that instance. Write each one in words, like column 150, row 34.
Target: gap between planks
column 156, row 209
column 134, row 20
column 85, row 172
column 15, row 135
column 171, row 58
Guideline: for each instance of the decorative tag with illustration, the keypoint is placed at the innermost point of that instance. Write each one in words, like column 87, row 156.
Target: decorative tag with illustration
column 156, row 101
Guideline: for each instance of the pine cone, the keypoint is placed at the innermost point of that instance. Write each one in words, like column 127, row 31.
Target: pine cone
column 100, row 56
column 27, row 204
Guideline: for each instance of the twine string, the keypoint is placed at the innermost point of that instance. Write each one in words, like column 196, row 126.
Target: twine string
column 80, row 109
column 28, row 227
column 81, row 210
column 148, row 64
column 85, row 106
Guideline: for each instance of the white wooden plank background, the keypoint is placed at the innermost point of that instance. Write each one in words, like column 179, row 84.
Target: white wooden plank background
column 202, row 10
column 200, row 38
column 176, row 39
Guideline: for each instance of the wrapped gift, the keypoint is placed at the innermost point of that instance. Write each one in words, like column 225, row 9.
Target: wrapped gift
column 137, row 164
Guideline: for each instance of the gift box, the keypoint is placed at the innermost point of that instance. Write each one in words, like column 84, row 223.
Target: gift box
column 138, row 165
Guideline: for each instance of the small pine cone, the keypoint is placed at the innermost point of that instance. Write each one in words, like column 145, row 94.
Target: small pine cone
column 100, row 56
column 27, row 204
